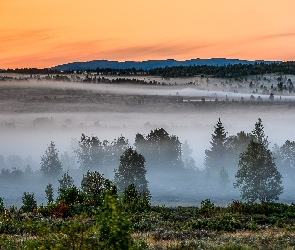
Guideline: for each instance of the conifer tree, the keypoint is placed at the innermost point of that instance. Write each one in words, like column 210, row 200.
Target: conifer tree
column 258, row 133
column 215, row 157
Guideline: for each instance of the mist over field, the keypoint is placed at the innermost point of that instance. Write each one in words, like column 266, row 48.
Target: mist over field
column 34, row 113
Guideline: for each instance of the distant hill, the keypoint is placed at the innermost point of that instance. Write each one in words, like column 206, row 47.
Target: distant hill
column 151, row 64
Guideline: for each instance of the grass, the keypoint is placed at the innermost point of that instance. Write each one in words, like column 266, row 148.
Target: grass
column 256, row 226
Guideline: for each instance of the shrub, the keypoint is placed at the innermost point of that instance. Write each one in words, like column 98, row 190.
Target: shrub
column 113, row 226
column 135, row 201
column 93, row 185
column 207, row 207
column 65, row 182
column 71, row 195
column 29, row 202
column 1, row 204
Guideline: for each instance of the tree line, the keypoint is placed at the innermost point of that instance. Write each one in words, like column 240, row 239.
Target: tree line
column 243, row 160
column 248, row 158
column 226, row 71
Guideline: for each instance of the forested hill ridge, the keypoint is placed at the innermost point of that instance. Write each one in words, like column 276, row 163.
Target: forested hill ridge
column 151, row 64
column 230, row 70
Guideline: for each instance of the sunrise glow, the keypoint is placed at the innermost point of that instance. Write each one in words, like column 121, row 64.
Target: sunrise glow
column 40, row 33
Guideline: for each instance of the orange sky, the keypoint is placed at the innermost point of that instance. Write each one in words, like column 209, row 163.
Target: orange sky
column 42, row 33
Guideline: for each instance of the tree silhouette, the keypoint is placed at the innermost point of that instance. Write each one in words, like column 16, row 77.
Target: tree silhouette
column 287, row 157
column 49, row 195
column 215, row 157
column 114, row 150
column 50, row 164
column 29, row 202
column 258, row 133
column 131, row 171
column 257, row 176
column 95, row 186
column 235, row 145
column 90, row 153
column 65, row 182
column 161, row 150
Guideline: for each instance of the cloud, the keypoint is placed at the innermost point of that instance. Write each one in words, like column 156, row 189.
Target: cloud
column 87, row 50
column 9, row 37
column 278, row 35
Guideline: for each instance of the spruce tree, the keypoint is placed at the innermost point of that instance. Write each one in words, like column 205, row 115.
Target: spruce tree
column 258, row 133
column 215, row 157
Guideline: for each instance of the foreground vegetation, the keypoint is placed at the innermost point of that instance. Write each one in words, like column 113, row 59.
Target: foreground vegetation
column 122, row 224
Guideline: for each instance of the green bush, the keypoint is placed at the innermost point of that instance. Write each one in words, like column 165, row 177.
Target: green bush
column 1, row 205
column 71, row 195
column 207, row 207
column 29, row 202
column 113, row 226
column 94, row 185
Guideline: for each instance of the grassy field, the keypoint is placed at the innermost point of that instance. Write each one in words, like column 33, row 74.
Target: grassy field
column 237, row 226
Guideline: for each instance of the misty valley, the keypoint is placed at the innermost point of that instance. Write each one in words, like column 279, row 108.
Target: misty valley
column 205, row 153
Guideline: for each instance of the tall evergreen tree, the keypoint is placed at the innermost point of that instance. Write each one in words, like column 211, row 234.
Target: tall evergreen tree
column 215, row 157
column 258, row 133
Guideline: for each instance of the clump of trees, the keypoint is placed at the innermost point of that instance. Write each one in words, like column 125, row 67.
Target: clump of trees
column 95, row 186
column 285, row 160
column 161, row 150
column 256, row 173
column 243, row 159
column 94, row 154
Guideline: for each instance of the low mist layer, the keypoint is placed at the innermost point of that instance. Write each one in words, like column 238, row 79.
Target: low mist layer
column 31, row 118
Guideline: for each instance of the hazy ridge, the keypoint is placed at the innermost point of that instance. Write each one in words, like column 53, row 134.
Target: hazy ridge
column 150, row 64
